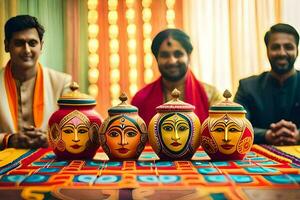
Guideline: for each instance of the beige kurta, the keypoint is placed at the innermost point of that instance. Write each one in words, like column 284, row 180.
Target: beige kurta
column 55, row 84
column 25, row 92
column 213, row 95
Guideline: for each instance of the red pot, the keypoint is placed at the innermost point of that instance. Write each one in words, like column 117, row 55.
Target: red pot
column 74, row 127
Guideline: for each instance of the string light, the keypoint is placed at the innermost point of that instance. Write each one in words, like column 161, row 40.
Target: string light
column 114, row 57
column 131, row 45
column 147, row 29
column 93, row 46
column 170, row 16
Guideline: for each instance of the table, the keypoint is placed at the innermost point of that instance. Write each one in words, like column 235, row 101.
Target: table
column 266, row 172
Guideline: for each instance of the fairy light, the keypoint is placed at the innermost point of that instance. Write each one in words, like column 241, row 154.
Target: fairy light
column 170, row 16
column 93, row 46
column 132, row 46
column 114, row 57
column 147, row 29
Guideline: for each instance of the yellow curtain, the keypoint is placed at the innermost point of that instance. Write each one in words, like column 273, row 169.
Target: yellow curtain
column 228, row 38
column 249, row 22
column 290, row 14
column 8, row 9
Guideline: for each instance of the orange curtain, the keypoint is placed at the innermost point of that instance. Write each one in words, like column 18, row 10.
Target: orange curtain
column 158, row 22
column 72, row 36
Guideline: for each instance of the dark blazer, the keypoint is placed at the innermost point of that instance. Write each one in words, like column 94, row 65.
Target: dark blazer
column 266, row 101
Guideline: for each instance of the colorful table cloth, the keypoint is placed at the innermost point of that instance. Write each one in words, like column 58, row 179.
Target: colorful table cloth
column 265, row 173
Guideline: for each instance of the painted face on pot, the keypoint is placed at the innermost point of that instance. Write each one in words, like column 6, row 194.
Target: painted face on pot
column 175, row 132
column 123, row 138
column 227, row 132
column 75, row 134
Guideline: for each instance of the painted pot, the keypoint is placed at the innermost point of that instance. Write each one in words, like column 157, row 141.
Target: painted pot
column 227, row 134
column 74, row 128
column 174, row 132
column 123, row 134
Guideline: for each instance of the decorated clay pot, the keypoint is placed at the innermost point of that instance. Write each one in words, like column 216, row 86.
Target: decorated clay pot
column 174, row 132
column 227, row 134
column 123, row 134
column 74, row 128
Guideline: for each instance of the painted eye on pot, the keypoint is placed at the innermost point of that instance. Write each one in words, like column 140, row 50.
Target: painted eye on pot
column 233, row 130
column 68, row 131
column 131, row 134
column 113, row 134
column 82, row 131
column 182, row 128
column 219, row 130
column 168, row 128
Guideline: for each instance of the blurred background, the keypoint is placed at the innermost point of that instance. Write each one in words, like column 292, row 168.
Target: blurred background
column 105, row 44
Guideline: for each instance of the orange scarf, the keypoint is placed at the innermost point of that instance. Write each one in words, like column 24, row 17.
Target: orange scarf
column 38, row 96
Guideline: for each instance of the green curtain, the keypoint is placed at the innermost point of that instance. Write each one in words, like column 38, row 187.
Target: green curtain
column 51, row 14
column 7, row 10
column 83, row 50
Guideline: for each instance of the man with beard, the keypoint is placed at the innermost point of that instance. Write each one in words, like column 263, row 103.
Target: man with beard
column 272, row 99
column 28, row 90
column 172, row 49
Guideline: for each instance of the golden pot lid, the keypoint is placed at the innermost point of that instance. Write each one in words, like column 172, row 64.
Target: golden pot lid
column 122, row 107
column 175, row 104
column 227, row 105
column 75, row 98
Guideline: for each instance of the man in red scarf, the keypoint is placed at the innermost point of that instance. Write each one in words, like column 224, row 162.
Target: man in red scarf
column 172, row 49
column 28, row 91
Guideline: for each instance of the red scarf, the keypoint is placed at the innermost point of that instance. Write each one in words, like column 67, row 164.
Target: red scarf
column 152, row 96
column 12, row 96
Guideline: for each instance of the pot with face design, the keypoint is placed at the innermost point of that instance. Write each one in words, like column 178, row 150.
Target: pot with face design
column 227, row 134
column 174, row 132
column 74, row 128
column 123, row 134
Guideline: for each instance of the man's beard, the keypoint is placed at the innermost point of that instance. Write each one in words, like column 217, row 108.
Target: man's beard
column 282, row 69
column 182, row 71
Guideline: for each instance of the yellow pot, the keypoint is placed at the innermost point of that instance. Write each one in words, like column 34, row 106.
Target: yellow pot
column 227, row 134
column 174, row 132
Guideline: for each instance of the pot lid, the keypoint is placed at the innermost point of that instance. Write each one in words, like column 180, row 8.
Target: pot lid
column 122, row 107
column 75, row 97
column 175, row 104
column 227, row 105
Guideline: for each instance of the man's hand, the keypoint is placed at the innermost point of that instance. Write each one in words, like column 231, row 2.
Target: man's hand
column 18, row 140
column 282, row 133
column 29, row 138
